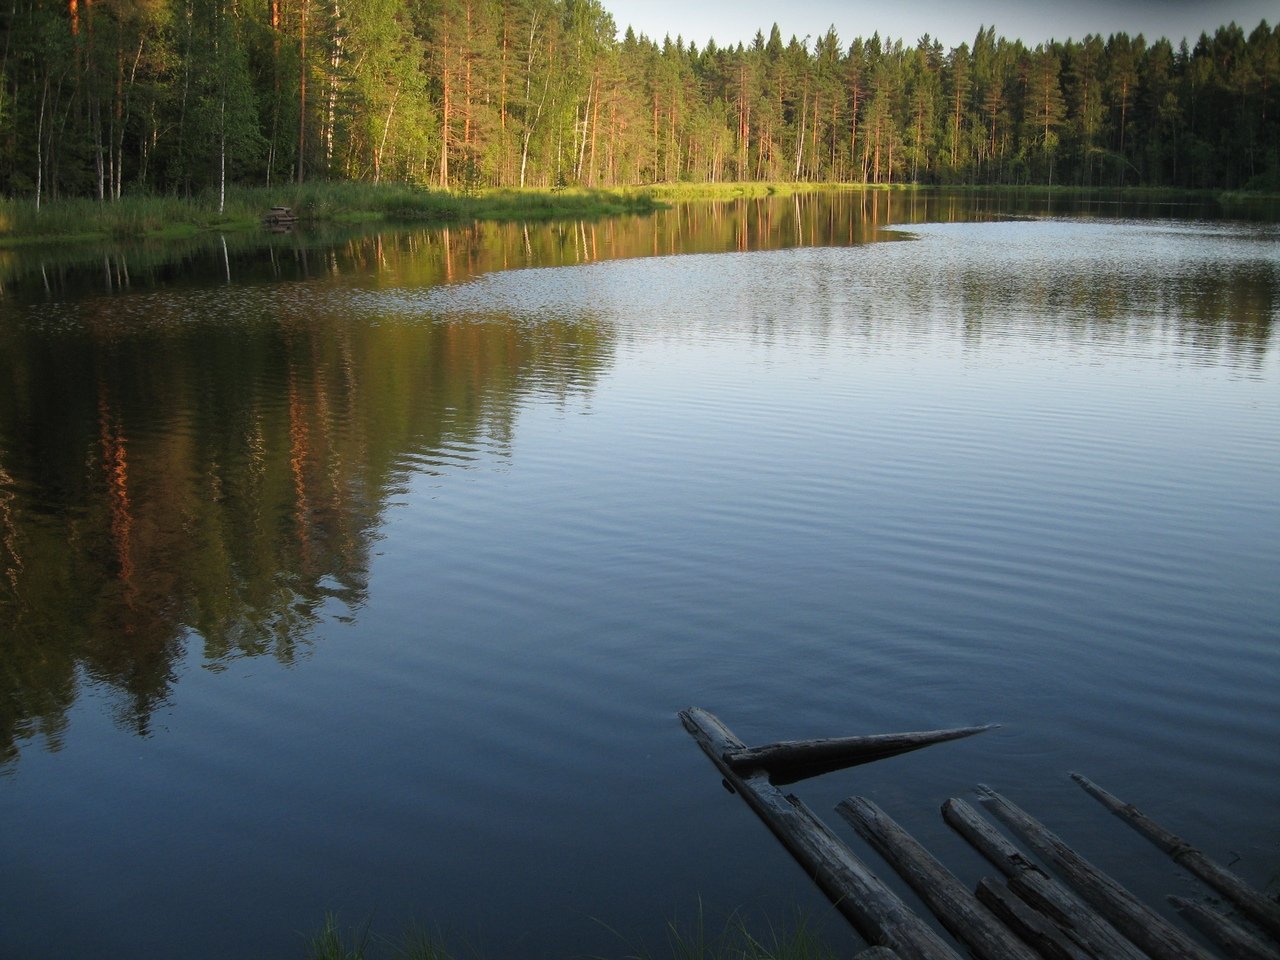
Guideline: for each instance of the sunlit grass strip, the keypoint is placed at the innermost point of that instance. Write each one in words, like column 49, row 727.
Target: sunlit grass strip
column 739, row 190
column 174, row 217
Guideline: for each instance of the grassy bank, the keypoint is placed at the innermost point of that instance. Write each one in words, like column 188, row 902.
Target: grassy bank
column 165, row 218
column 675, row 192
column 178, row 217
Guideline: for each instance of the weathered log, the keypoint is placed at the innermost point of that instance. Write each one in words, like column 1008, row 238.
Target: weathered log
column 1037, row 889
column 1131, row 917
column 871, row 907
column 1256, row 906
column 1034, row 928
column 1235, row 940
column 794, row 760
column 986, row 839
column 951, row 902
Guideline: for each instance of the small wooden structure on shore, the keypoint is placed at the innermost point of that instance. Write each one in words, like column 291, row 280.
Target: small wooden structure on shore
column 279, row 218
column 1027, row 915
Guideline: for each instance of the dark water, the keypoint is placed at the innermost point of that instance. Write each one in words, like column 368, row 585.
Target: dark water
column 370, row 579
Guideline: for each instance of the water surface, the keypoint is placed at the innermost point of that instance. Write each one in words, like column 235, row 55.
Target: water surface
column 367, row 574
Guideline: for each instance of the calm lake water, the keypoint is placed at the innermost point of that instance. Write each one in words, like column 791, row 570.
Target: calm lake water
column 366, row 574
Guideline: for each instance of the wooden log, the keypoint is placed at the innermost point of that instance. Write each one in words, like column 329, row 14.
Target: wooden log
column 794, row 760
column 1033, row 927
column 1142, row 925
column 1037, row 889
column 1255, row 905
column 872, row 908
column 986, row 839
column 951, row 902
column 1235, row 940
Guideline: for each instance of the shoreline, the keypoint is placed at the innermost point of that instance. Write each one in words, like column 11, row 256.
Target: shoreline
column 83, row 221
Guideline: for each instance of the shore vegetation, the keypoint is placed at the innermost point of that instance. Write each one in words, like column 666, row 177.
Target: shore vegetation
column 195, row 98
column 243, row 208
column 691, row 941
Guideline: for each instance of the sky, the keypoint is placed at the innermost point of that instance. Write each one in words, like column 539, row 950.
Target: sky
column 950, row 21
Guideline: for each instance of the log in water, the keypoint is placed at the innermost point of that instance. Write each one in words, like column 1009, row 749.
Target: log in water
column 873, row 909
column 1259, row 908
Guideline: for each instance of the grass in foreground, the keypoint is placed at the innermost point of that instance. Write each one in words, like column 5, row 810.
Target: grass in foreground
column 684, row 942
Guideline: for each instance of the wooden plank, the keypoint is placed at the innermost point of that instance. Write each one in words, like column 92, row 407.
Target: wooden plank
column 872, row 908
column 1036, row 888
column 1235, row 940
column 1259, row 908
column 1131, row 917
column 951, row 902
column 794, row 760
column 1033, row 927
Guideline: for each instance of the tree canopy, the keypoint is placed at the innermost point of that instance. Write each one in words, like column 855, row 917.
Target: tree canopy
column 105, row 97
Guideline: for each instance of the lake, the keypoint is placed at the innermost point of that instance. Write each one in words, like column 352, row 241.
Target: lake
column 366, row 573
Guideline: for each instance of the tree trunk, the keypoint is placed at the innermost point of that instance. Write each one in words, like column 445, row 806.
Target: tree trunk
column 386, row 128
column 44, row 99
column 302, row 95
column 222, row 154
column 804, row 113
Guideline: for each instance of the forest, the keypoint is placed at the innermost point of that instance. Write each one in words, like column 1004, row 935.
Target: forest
column 111, row 98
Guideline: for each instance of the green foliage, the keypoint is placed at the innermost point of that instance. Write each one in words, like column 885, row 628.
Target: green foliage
column 330, row 943
column 351, row 201
column 737, row 940
column 156, row 96
column 685, row 941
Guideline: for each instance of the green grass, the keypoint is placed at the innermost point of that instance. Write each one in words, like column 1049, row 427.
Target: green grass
column 737, row 942
column 692, row 941
column 163, row 218
column 180, row 218
column 331, row 943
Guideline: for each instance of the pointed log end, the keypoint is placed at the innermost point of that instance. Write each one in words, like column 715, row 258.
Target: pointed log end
column 1104, row 797
column 962, row 732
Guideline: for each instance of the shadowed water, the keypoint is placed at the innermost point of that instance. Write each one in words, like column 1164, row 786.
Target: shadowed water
column 371, row 578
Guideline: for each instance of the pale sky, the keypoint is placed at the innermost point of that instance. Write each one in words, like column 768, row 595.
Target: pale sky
column 1033, row 21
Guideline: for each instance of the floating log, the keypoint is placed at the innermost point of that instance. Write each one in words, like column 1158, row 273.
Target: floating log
column 871, row 907
column 1033, row 927
column 1130, row 916
column 1036, row 888
column 951, row 902
column 986, row 839
column 1238, row 942
column 1256, row 906
column 793, row 760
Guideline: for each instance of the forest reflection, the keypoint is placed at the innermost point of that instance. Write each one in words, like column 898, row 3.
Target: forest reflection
column 171, row 483
column 197, row 447
column 458, row 253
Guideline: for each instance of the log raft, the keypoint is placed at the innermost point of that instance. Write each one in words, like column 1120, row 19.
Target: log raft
column 1027, row 915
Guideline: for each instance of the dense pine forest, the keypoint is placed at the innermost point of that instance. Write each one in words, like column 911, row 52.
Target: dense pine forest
column 106, row 98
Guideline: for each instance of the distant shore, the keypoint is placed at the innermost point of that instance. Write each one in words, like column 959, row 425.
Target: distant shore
column 183, row 218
